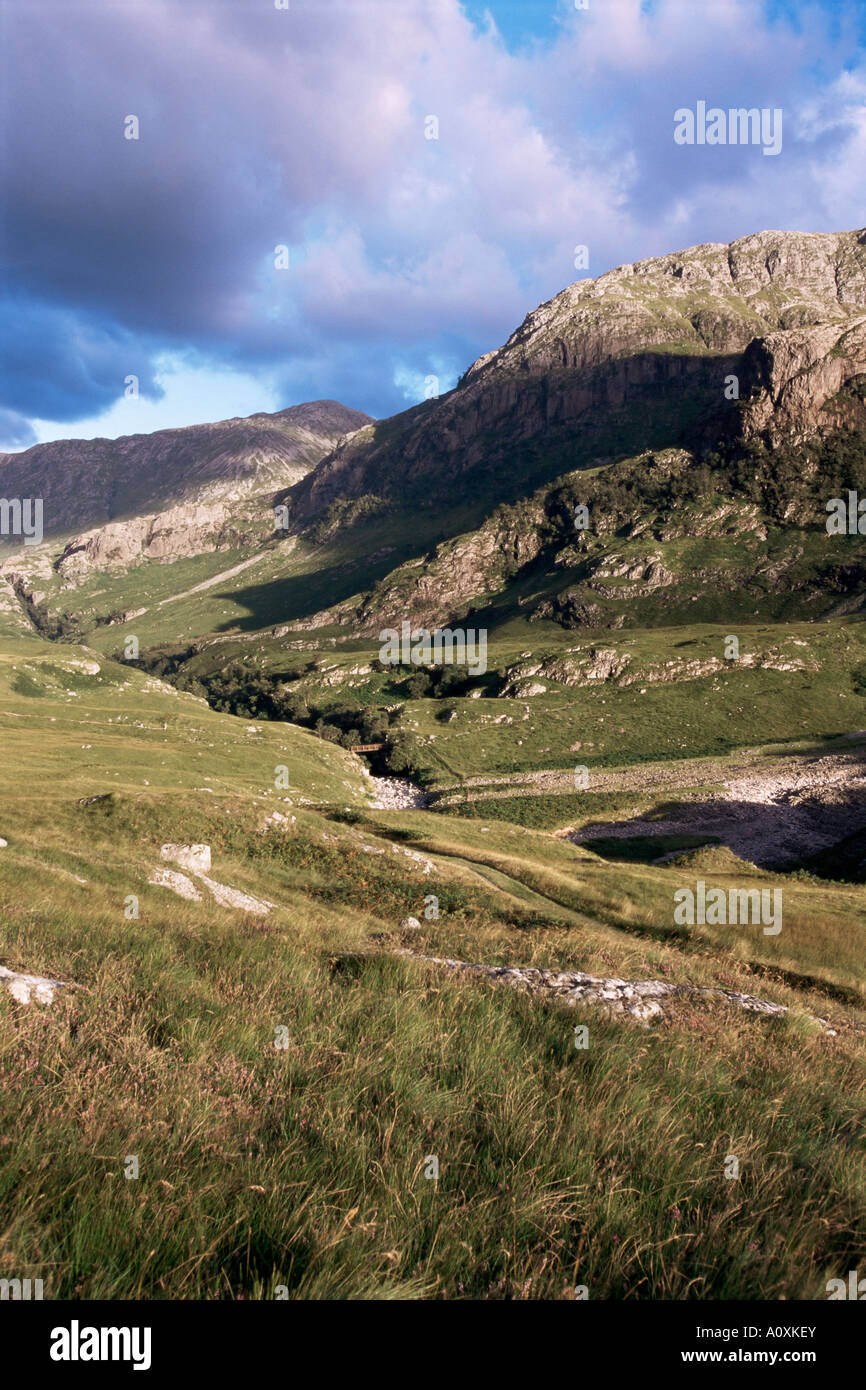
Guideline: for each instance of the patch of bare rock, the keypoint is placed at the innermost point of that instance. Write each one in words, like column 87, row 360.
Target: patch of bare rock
column 178, row 883
column 397, row 794
column 30, row 989
column 197, row 860
column 773, row 818
column 637, row 999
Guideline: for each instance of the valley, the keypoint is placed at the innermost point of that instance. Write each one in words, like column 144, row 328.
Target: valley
column 286, row 975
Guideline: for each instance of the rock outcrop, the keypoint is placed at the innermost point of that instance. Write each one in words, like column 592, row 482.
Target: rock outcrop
column 797, row 377
column 641, row 1000
column 197, row 860
column 31, row 989
column 632, row 340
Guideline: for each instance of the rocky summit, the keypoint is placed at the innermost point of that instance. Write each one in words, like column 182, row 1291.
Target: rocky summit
column 605, row 361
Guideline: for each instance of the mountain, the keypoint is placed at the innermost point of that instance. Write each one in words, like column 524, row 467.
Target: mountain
column 90, row 483
column 699, row 409
column 715, row 396
column 633, row 486
column 165, row 496
column 635, row 359
column 286, row 968
column 702, row 406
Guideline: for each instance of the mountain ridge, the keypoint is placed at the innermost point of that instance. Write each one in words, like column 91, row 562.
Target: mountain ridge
column 658, row 324
column 614, row 395
column 90, row 483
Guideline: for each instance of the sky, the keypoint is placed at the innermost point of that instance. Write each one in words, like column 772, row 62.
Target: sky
column 354, row 199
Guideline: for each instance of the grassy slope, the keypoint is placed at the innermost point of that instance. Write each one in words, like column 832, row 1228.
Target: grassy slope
column 68, row 733
column 305, row 1166
column 287, row 582
column 613, row 724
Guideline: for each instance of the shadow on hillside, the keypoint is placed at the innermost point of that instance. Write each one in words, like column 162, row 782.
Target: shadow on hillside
column 616, row 409
column 290, row 599
column 299, row 596
column 794, row 831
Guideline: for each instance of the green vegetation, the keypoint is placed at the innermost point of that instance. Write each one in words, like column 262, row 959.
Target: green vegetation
column 289, row 1072
column 305, row 1166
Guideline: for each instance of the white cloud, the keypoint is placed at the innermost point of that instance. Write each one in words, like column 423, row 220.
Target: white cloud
column 306, row 127
column 194, row 393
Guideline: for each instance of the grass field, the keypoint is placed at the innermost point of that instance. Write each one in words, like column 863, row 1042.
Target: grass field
column 605, row 723
column 304, row 1166
column 310, row 1167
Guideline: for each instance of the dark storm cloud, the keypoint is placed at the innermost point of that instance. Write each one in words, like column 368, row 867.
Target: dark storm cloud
column 261, row 127
column 58, row 364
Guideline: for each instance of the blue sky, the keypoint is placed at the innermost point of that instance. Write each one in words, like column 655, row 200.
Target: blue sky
column 408, row 256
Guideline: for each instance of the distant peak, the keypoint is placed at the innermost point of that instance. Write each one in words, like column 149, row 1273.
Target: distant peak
column 324, row 416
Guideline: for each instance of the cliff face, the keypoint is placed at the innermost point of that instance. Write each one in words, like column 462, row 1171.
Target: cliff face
column 758, row 344
column 656, row 338
column 759, row 347
column 798, row 377
column 195, row 528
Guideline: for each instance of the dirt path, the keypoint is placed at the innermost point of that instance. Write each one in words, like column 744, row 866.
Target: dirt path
column 216, row 579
